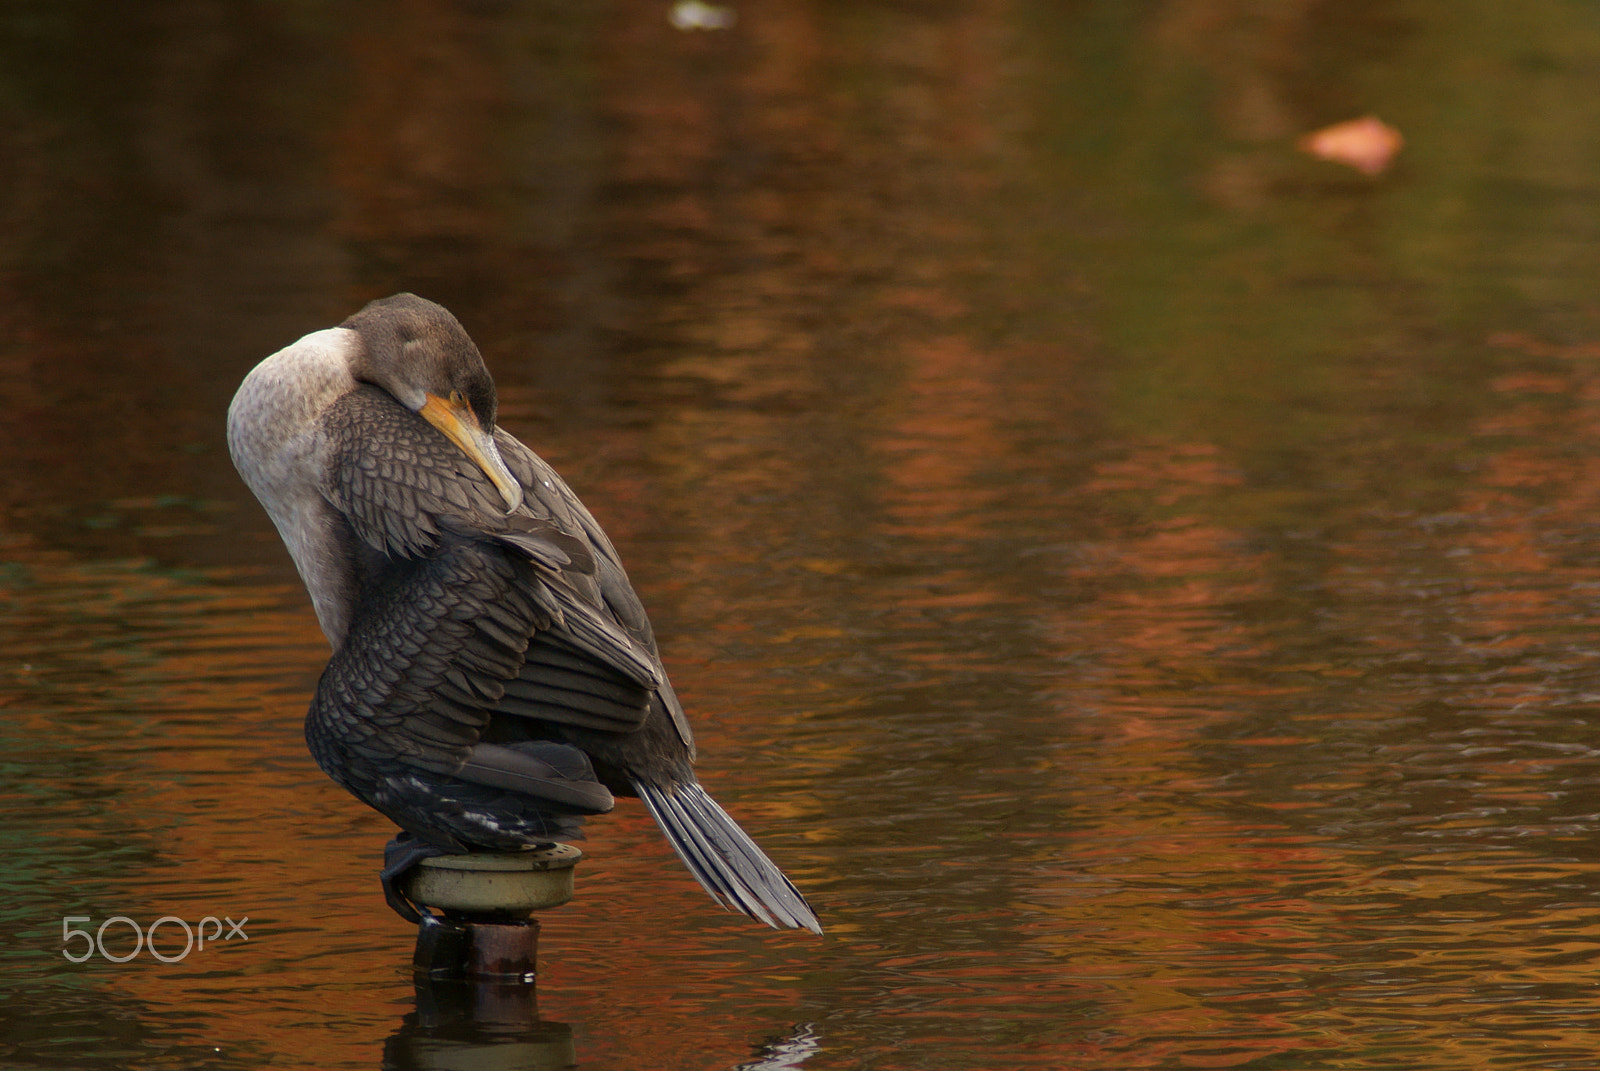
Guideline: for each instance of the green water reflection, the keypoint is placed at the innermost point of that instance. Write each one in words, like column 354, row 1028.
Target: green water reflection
column 1138, row 579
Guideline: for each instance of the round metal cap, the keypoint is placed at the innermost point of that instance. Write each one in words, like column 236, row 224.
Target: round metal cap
column 495, row 882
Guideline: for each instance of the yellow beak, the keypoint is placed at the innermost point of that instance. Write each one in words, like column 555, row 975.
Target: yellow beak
column 460, row 425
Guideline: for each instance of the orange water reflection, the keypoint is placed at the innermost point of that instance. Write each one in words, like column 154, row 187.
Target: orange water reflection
column 1140, row 586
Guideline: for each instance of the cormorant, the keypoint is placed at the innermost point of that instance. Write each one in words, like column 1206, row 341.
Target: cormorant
column 494, row 677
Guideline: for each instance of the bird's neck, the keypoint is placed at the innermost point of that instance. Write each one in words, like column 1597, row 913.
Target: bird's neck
column 274, row 436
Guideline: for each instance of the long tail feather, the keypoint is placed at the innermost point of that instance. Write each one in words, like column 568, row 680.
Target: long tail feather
column 724, row 859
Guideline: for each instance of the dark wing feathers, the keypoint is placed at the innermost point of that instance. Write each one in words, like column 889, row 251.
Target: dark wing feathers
column 585, row 684
column 391, row 497
column 414, row 678
column 546, row 544
column 442, row 645
column 614, row 601
column 591, row 634
column 590, row 698
column 468, row 614
column 529, row 768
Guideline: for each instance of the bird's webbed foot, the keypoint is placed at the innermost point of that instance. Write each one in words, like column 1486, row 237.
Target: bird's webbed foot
column 399, row 856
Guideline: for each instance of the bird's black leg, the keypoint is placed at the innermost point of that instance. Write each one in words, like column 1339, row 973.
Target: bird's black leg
column 400, row 855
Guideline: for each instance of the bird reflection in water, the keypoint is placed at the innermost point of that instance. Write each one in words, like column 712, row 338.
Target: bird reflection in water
column 460, row 1023
column 788, row 1052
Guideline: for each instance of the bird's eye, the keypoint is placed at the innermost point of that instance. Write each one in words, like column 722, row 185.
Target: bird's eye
column 457, row 399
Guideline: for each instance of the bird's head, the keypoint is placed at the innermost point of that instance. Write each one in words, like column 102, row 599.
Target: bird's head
column 421, row 355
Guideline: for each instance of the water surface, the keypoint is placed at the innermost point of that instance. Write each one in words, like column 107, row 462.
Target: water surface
column 1138, row 580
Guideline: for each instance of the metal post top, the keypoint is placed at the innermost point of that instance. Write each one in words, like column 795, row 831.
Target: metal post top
column 549, row 857
column 495, row 883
